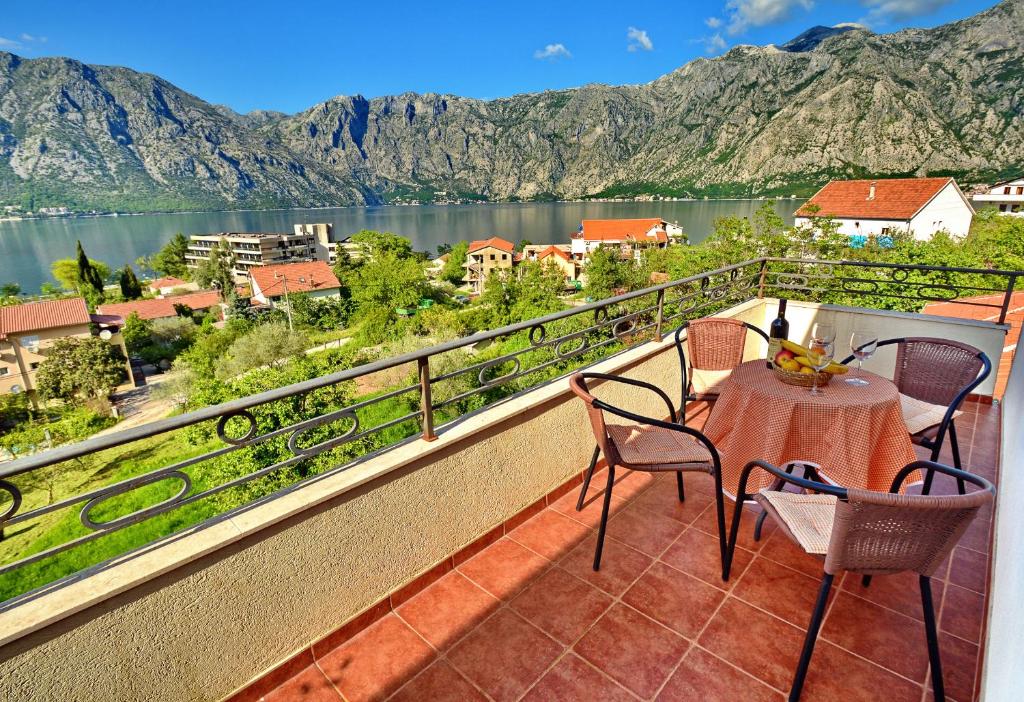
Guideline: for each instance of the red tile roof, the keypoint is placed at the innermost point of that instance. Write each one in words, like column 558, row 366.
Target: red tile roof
column 47, row 314
column 162, row 307
column 494, row 241
column 166, row 283
column 553, row 251
column 612, row 230
column 895, row 198
column 302, row 277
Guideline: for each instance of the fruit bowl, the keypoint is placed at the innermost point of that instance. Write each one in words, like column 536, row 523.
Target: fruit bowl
column 805, row 380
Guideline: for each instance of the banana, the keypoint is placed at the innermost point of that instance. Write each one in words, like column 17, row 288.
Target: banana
column 801, row 358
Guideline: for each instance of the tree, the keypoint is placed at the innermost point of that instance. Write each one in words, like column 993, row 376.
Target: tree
column 603, row 272
column 65, row 270
column 323, row 313
column 444, row 248
column 88, row 275
column 10, row 290
column 136, row 332
column 218, row 270
column 454, row 270
column 80, row 369
column 523, row 243
column 170, row 260
column 130, row 287
column 372, row 244
column 268, row 345
column 388, row 281
column 537, row 291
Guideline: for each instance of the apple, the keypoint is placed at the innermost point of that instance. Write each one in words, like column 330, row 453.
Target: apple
column 784, row 353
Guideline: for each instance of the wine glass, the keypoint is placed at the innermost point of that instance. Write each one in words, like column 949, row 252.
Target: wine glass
column 863, row 344
column 820, row 355
column 823, row 332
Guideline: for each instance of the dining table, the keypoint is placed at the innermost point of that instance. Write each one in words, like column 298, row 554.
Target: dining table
column 854, row 435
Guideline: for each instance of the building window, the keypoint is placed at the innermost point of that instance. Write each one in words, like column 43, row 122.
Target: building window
column 33, row 365
column 504, row 257
column 4, row 371
column 1002, row 208
column 1006, row 190
column 492, row 257
column 29, row 342
column 886, row 231
column 1020, row 190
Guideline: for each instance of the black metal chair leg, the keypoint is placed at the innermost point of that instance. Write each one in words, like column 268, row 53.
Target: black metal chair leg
column 587, row 477
column 737, row 512
column 955, row 446
column 679, row 484
column 604, row 517
column 812, row 637
column 933, row 640
column 866, row 581
column 760, row 523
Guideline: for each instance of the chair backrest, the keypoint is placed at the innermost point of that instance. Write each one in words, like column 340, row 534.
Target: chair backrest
column 875, row 533
column 715, row 343
column 936, row 370
column 578, row 385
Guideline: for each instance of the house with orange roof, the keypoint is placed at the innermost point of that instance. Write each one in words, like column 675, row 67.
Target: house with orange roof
column 163, row 307
column 27, row 330
column 865, row 208
column 629, row 236
column 485, row 256
column 272, row 284
column 556, row 255
column 166, row 286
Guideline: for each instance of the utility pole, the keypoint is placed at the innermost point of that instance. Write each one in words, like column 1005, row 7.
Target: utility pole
column 287, row 305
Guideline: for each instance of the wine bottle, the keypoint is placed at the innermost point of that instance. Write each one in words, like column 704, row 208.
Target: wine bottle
column 777, row 332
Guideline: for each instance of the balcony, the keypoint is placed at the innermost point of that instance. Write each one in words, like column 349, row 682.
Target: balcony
column 450, row 556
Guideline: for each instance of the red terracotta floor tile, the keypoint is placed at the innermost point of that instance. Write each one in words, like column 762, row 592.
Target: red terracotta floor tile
column 780, row 549
column 779, row 590
column 881, row 635
column 835, row 674
column 758, row 643
column 959, row 663
column 561, row 604
column 704, row 677
column 969, row 569
column 629, row 483
column 633, row 650
column 663, row 499
column 699, row 555
column 378, row 661
column 963, row 612
column 448, row 610
column 504, row 568
column 620, row 565
column 900, row 592
column 677, row 600
column 708, row 523
column 308, row 686
column 438, row 683
column 504, row 656
column 550, row 533
column 646, row 532
column 572, row 680
column 590, row 515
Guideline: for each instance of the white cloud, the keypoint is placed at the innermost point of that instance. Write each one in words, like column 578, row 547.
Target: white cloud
column 852, row 25
column 552, row 51
column 901, row 9
column 714, row 44
column 6, row 43
column 638, row 40
column 713, row 22
column 744, row 14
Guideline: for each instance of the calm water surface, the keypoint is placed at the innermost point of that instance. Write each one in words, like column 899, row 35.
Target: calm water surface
column 27, row 248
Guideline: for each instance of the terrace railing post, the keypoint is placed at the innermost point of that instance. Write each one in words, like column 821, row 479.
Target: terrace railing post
column 661, row 315
column 761, row 278
column 1011, row 283
column 426, row 404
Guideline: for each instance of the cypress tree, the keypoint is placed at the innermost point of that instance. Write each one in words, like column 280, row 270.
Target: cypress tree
column 130, row 287
column 87, row 273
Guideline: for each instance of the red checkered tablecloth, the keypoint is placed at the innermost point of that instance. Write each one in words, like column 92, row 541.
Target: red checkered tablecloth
column 854, row 433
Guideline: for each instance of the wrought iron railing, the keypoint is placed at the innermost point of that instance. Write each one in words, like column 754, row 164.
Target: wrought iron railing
column 239, row 451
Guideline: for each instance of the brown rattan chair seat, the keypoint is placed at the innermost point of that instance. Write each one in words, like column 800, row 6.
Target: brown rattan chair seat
column 806, row 519
column 654, row 448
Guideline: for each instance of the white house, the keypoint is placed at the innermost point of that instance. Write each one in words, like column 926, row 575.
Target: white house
column 862, row 208
column 1008, row 196
column 272, row 284
column 628, row 235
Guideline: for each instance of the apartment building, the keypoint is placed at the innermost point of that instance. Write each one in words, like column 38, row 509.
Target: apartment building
column 558, row 255
column 27, row 330
column 485, row 256
column 254, row 249
column 1007, row 196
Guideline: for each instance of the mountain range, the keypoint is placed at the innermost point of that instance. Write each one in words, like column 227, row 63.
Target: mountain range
column 759, row 120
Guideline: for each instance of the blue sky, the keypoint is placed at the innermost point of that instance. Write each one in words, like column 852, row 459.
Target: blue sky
column 290, row 55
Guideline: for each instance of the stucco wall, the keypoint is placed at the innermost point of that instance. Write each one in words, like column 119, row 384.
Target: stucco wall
column 204, row 629
column 947, row 211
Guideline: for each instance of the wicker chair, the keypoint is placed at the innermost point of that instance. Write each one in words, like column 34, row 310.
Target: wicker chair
column 648, row 444
column 872, row 533
column 712, row 344
column 939, row 372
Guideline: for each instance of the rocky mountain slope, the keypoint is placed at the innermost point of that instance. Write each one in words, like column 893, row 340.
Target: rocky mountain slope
column 758, row 120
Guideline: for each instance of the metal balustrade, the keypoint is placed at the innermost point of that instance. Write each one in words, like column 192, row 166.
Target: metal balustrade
column 550, row 346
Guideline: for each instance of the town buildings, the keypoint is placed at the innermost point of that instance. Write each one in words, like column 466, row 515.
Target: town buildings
column 253, row 249
column 485, row 256
column 27, row 330
column 272, row 284
column 629, row 236
column 1007, row 196
column 164, row 307
column 863, row 208
column 557, row 256
column 166, row 286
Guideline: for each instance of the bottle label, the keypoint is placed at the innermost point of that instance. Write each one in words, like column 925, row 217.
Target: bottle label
column 774, row 346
